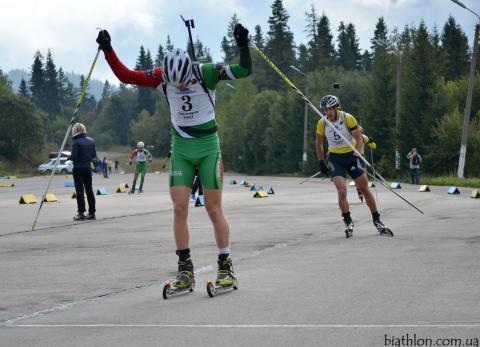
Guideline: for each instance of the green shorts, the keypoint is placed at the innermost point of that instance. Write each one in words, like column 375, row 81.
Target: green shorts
column 141, row 167
column 202, row 153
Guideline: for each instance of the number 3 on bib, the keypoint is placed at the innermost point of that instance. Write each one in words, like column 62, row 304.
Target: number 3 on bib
column 187, row 106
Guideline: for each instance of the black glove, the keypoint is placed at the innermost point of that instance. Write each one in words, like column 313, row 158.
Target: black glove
column 323, row 167
column 104, row 41
column 241, row 35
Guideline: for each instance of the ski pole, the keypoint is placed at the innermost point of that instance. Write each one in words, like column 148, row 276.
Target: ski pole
column 373, row 166
column 190, row 24
column 318, row 173
column 77, row 107
column 394, row 192
column 315, row 109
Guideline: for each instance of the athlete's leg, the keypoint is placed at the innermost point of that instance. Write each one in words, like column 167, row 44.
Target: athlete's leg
column 181, row 176
column 213, row 205
column 135, row 176
column 180, row 197
column 362, row 184
column 340, row 184
column 210, row 170
column 143, row 171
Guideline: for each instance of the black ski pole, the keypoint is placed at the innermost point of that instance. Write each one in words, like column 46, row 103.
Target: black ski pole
column 190, row 24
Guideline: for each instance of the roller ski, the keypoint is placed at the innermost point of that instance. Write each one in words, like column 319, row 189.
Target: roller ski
column 349, row 229
column 184, row 282
column 225, row 279
column 382, row 229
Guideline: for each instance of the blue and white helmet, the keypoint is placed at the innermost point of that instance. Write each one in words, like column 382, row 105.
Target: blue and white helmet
column 329, row 101
column 177, row 67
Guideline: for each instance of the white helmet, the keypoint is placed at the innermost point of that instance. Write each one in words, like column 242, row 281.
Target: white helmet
column 177, row 67
column 329, row 101
column 140, row 144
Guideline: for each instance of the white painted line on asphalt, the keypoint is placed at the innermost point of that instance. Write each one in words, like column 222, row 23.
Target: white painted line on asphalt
column 249, row 326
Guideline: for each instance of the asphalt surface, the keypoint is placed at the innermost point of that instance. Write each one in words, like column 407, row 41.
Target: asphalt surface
column 302, row 283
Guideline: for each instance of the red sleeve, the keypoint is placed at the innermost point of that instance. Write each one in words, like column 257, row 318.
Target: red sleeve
column 132, row 156
column 151, row 78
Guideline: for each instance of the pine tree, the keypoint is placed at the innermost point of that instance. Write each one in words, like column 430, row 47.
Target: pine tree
column 107, row 90
column 303, row 60
column 67, row 90
column 23, row 89
column 349, row 56
column 280, row 46
column 37, row 81
column 312, row 23
column 366, row 60
column 169, row 46
column 354, row 47
column 420, row 100
column 141, row 60
column 4, row 79
column 202, row 53
column 455, row 50
column 52, row 87
column 146, row 98
column 229, row 46
column 320, row 47
column 379, row 106
column 343, row 53
column 160, row 56
column 258, row 38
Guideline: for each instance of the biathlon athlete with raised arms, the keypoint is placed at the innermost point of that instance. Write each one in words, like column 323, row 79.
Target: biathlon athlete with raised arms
column 190, row 91
column 344, row 159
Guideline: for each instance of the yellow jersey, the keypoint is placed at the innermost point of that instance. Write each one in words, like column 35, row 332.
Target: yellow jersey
column 346, row 124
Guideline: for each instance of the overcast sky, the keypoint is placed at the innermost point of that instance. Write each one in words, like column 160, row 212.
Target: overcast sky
column 68, row 27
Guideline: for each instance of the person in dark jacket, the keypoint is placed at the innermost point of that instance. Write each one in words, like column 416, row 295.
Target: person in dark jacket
column 83, row 153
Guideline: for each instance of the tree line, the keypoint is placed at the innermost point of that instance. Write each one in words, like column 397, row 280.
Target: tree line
column 261, row 121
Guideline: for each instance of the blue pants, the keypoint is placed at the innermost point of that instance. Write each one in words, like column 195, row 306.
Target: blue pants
column 415, row 176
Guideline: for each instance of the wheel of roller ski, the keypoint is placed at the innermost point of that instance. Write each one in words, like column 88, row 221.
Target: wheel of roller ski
column 210, row 289
column 388, row 232
column 166, row 289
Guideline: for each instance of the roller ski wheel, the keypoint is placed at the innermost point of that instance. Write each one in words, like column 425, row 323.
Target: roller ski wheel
column 349, row 230
column 169, row 289
column 382, row 229
column 214, row 288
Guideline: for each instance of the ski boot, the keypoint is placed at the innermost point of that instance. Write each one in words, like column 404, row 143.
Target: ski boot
column 360, row 195
column 91, row 216
column 349, row 229
column 382, row 229
column 225, row 279
column 185, row 280
column 79, row 217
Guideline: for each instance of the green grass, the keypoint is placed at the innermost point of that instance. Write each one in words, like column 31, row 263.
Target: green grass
column 450, row 181
column 8, row 169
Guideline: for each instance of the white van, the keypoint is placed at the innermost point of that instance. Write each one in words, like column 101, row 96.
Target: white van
column 64, row 166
